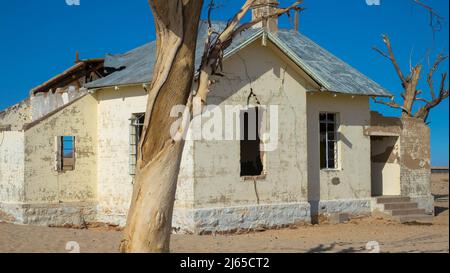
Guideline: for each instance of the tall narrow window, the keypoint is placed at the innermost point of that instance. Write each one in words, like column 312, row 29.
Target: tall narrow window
column 65, row 153
column 328, row 141
column 136, row 127
column 251, row 163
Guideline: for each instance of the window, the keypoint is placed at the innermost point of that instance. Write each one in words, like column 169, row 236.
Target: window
column 136, row 127
column 328, row 141
column 65, row 153
column 251, row 163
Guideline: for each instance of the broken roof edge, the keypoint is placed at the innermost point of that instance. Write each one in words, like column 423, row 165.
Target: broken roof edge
column 30, row 125
column 92, row 90
column 20, row 103
column 68, row 71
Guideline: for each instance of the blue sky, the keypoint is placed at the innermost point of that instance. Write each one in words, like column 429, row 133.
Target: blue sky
column 38, row 39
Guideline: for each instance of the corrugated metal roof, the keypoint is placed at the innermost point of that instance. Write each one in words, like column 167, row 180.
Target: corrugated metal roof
column 333, row 74
column 136, row 66
column 336, row 75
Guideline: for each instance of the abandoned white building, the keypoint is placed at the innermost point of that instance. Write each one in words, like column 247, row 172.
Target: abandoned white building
column 67, row 154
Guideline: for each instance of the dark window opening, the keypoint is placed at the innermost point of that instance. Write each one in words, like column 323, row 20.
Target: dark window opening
column 136, row 128
column 328, row 141
column 251, row 163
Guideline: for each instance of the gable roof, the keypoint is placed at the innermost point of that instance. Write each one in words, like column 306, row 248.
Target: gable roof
column 331, row 73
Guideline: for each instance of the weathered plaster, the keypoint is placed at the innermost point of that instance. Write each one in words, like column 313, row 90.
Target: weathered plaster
column 413, row 155
column 12, row 166
column 14, row 117
column 115, row 184
column 43, row 184
column 351, row 180
column 415, row 171
column 250, row 217
column 45, row 102
column 217, row 174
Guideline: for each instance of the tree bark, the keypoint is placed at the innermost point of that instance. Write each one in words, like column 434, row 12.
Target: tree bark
column 149, row 221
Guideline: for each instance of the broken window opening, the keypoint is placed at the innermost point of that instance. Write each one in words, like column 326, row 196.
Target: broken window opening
column 328, row 141
column 251, row 159
column 136, row 128
column 65, row 153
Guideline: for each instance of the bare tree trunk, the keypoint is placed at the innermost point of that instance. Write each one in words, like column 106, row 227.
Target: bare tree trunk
column 149, row 220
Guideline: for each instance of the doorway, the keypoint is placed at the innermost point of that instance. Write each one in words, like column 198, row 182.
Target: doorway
column 385, row 165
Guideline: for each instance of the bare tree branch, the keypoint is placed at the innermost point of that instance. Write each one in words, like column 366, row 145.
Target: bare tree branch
column 390, row 55
column 430, row 9
column 424, row 112
column 391, row 104
column 433, row 69
column 422, row 100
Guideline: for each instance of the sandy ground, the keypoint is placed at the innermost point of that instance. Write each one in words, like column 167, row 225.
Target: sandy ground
column 349, row 237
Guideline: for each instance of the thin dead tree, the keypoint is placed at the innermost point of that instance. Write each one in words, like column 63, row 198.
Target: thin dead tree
column 149, row 222
column 410, row 82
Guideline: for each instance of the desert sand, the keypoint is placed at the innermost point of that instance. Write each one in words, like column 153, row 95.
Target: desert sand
column 353, row 236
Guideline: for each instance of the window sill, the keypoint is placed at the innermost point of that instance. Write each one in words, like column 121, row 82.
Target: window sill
column 330, row 170
column 256, row 177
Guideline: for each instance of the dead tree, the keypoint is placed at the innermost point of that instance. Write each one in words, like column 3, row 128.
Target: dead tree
column 149, row 221
column 411, row 93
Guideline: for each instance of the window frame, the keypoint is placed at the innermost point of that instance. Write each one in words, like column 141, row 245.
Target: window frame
column 135, row 135
column 60, row 153
column 337, row 154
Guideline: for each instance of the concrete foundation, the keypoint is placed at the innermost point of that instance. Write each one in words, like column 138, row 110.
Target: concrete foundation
column 229, row 219
column 64, row 214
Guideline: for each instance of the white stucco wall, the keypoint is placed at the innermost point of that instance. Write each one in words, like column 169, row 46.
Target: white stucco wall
column 115, row 184
column 217, row 169
column 353, row 171
column 222, row 199
column 12, row 153
column 16, row 116
column 43, row 184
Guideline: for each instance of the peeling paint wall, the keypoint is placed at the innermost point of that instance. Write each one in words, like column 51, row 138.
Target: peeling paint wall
column 11, row 166
column 415, row 171
column 275, row 81
column 352, row 178
column 115, row 184
column 44, row 103
column 14, row 117
column 415, row 154
column 42, row 183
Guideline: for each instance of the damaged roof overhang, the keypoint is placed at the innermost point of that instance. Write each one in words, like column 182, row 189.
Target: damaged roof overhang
column 69, row 75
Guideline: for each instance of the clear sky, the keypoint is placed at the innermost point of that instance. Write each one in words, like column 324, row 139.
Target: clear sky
column 38, row 39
